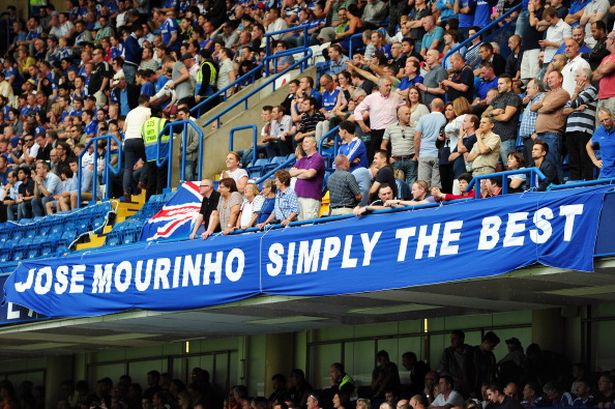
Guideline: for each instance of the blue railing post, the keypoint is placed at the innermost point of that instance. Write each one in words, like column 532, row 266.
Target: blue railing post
column 231, row 139
column 168, row 158
column 533, row 173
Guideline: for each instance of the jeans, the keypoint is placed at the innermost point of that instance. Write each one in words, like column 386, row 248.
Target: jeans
column 133, row 150
column 130, row 72
column 190, row 172
column 24, row 210
column 507, row 147
column 409, row 167
column 39, row 204
column 523, row 22
column 555, row 156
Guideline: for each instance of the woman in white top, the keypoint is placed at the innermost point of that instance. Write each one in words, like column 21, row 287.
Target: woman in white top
column 417, row 108
column 455, row 113
column 239, row 175
column 252, row 203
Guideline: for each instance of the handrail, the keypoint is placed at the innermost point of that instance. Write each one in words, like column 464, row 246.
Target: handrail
column 326, row 136
column 231, row 139
column 483, row 30
column 270, row 80
column 250, row 74
column 584, row 183
column 161, row 160
column 108, row 167
column 532, row 172
column 268, row 36
column 285, row 164
column 350, row 42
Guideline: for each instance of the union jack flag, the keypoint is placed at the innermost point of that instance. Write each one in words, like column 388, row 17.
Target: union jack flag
column 176, row 217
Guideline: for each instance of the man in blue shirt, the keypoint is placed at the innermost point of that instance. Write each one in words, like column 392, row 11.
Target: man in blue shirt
column 352, row 147
column 605, row 138
column 168, row 30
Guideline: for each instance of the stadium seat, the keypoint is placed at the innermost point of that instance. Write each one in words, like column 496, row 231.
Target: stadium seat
column 257, row 168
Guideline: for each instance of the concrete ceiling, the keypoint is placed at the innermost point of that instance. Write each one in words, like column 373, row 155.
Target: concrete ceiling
column 530, row 288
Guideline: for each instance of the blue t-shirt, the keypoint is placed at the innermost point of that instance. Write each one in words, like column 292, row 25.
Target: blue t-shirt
column 467, row 20
column 148, row 89
column 125, row 108
column 482, row 14
column 429, row 126
column 484, row 86
column 168, row 27
column 329, row 99
column 91, row 128
column 406, row 83
column 353, row 150
column 606, row 139
column 436, row 35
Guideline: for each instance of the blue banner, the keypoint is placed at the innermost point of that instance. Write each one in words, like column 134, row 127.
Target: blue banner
column 383, row 251
column 11, row 313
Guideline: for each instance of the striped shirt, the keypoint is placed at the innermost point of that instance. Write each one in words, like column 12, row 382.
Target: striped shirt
column 583, row 121
column 528, row 121
column 401, row 139
column 285, row 203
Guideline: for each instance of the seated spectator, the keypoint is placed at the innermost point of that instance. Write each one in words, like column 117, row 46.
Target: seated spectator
column 531, row 398
column 208, row 214
column 540, row 151
column 385, row 193
column 384, row 174
column 285, row 61
column 252, row 203
column 487, row 80
column 605, row 394
column 420, row 195
column 463, row 182
column 337, row 60
column 286, row 208
column 604, row 139
column 491, row 187
column 516, row 182
column 344, row 193
column 374, row 13
column 447, row 396
column 280, row 143
column 583, row 398
column 25, row 194
column 10, row 193
column 555, row 394
column 46, row 185
column 267, row 208
column 500, row 399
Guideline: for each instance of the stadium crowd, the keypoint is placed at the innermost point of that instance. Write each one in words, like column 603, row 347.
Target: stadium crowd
column 418, row 115
column 466, row 377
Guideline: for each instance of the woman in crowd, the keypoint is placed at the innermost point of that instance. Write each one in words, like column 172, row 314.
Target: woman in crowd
column 465, row 142
column 252, row 202
column 229, row 204
column 417, row 108
column 455, row 113
column 516, row 182
column 233, row 171
column 266, row 209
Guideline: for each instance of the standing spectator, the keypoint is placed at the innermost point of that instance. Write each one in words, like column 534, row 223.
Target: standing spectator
column 575, row 64
column 527, row 127
column 504, row 110
column 428, row 130
column 192, row 144
column 310, row 172
column 581, row 111
column 486, row 151
column 209, row 210
column 488, row 55
column 229, row 205
column 513, row 61
column 461, row 83
column 100, row 79
column 556, row 33
column 385, row 377
column 134, row 149
column 133, row 52
column 156, row 175
column 384, row 174
column 435, row 75
column 433, row 37
column 281, row 125
column 401, row 138
column 234, row 171
column 344, row 191
column 551, row 119
column 596, row 10
column 226, row 71
column 181, row 80
column 310, row 118
column 605, row 137
column 484, row 361
column 605, row 73
column 595, row 56
column 455, row 361
column 529, row 41
column 540, row 152
column 352, row 147
column 286, row 210
column 46, row 185
column 337, row 60
column 381, row 107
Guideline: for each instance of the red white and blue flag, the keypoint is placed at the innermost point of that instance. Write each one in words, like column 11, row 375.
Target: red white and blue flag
column 177, row 216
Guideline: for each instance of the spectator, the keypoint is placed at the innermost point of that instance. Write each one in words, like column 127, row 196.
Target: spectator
column 337, row 59
column 527, row 127
column 381, row 108
column 156, row 147
column 486, row 151
column 286, row 207
column 384, row 174
column 596, row 10
column 267, row 208
column 540, row 152
column 309, row 119
column 447, row 396
column 229, row 205
column 208, row 213
column 226, row 71
column 605, row 74
column 604, row 137
column 352, row 147
column 604, row 394
column 461, row 83
column 504, row 110
column 252, row 203
column 597, row 54
column 574, row 64
column 309, row 171
column 433, row 78
column 488, row 80
column 46, row 185
column 281, row 125
column 513, row 61
column 433, row 37
column 344, row 191
column 134, row 148
column 530, row 38
column 25, row 194
column 233, row 171
column 497, row 397
column 551, row 119
column 557, row 31
column 420, row 195
column 425, row 152
column 556, row 396
column 516, row 182
column 463, row 181
column 401, row 138
column 10, row 193
column 191, row 142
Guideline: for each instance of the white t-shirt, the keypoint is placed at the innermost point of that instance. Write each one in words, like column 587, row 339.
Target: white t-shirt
column 556, row 33
column 135, row 120
column 237, row 174
column 454, row 399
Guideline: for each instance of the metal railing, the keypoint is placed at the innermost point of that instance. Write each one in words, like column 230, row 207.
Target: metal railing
column 269, row 37
column 583, row 183
column 325, row 137
column 171, row 128
column 533, row 174
column 482, row 31
column 231, row 139
column 288, row 162
column 301, row 63
column 109, row 168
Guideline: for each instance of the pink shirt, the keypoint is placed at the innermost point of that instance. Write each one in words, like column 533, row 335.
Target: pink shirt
column 606, row 87
column 382, row 110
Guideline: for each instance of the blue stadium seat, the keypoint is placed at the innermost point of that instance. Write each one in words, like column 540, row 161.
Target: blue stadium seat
column 33, row 252
column 257, row 168
column 275, row 162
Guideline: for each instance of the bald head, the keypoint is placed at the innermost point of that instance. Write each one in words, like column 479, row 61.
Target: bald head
column 437, row 105
column 342, row 162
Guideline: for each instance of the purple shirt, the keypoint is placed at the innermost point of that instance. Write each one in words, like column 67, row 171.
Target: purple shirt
column 311, row 188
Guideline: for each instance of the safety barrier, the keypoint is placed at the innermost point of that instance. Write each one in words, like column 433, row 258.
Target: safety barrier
column 533, row 174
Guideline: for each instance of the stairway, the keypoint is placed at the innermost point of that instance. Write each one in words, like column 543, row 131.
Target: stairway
column 123, row 210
